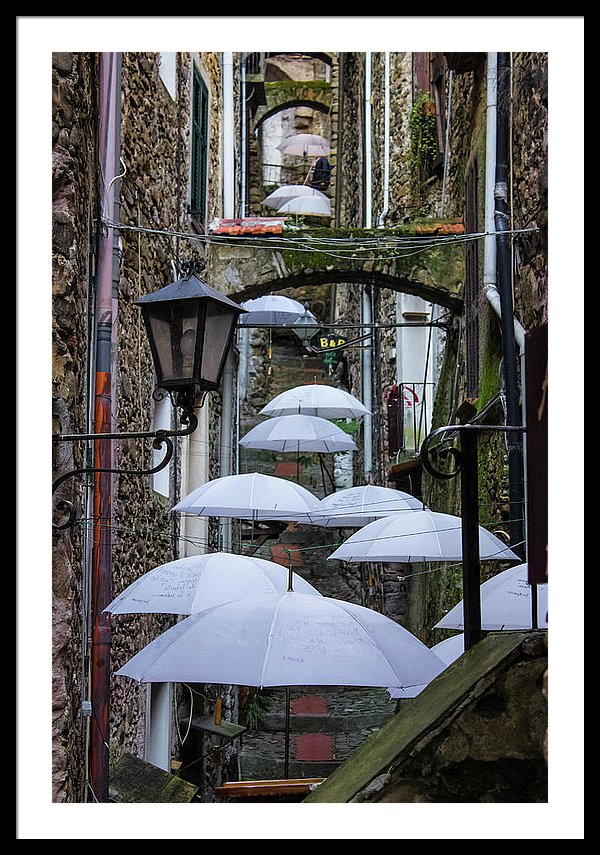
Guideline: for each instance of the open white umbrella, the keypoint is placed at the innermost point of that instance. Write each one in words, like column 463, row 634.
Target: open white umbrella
column 305, row 145
column 298, row 433
column 355, row 507
column 251, row 496
column 417, row 536
column 447, row 650
column 287, row 192
column 505, row 603
column 271, row 310
column 286, row 639
column 197, row 582
column 316, row 399
column 310, row 205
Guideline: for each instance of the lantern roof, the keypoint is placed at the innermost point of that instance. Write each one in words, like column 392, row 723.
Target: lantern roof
column 188, row 288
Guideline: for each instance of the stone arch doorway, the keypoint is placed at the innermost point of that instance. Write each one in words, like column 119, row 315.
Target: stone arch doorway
column 297, row 99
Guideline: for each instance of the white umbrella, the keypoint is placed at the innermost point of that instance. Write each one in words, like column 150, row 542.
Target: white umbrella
column 505, row 603
column 188, row 585
column 286, row 639
column 450, row 648
column 358, row 506
column 418, row 536
column 287, row 192
column 298, row 433
column 271, row 310
column 447, row 650
column 316, row 399
column 306, row 145
column 252, row 496
column 309, row 205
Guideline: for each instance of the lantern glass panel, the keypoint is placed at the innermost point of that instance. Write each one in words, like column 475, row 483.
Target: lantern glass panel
column 174, row 332
column 220, row 321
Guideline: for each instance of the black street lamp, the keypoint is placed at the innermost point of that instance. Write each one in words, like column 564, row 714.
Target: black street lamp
column 190, row 328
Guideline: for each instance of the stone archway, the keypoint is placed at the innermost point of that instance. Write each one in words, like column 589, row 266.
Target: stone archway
column 435, row 274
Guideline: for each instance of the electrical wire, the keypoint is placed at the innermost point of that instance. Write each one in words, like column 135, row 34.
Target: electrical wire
column 335, row 247
column 182, row 741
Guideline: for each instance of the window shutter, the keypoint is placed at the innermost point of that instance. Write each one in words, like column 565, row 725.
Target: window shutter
column 199, row 147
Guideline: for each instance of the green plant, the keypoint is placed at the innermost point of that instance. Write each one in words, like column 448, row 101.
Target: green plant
column 423, row 143
column 350, row 427
column 256, row 705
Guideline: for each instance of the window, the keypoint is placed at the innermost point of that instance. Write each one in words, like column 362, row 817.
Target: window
column 199, row 147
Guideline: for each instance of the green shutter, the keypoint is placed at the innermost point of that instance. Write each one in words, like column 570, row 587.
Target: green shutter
column 199, row 147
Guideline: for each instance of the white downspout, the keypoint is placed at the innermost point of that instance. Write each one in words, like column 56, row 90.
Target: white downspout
column 226, row 440
column 226, row 436
column 489, row 247
column 228, row 138
column 367, row 352
column 243, row 141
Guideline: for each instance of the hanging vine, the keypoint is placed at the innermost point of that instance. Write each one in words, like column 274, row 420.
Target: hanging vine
column 423, row 144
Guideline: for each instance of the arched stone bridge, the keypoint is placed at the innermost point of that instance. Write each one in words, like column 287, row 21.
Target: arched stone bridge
column 249, row 268
column 280, row 95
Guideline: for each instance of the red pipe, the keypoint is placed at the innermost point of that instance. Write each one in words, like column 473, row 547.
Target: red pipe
column 103, row 415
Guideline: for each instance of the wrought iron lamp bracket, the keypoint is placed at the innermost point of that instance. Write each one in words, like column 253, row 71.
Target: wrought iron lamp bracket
column 428, row 449
column 161, row 437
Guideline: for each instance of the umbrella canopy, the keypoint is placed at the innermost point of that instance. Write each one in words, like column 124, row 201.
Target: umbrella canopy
column 505, row 603
column 197, row 582
column 447, row 650
column 419, row 536
column 450, row 648
column 355, row 507
column 316, row 399
column 271, row 310
column 298, row 433
column 305, row 145
column 318, row 206
column 252, row 496
column 288, row 639
column 287, row 192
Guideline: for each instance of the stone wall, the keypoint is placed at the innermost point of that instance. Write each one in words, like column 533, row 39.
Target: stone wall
column 73, row 214
column 530, row 173
column 153, row 196
column 490, row 750
column 476, row 734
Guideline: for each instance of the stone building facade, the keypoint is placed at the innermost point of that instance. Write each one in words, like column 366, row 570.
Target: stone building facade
column 154, row 213
column 411, row 188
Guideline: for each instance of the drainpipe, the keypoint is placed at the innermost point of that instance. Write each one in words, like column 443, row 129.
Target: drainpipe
column 504, row 274
column 226, row 440
column 368, row 186
column 243, row 141
column 367, row 315
column 226, row 437
column 109, row 132
column 386, row 143
column 228, row 137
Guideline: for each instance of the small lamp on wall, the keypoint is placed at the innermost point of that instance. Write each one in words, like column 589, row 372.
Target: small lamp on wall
column 190, row 329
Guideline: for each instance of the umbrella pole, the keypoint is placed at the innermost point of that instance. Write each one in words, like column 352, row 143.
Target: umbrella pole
column 534, row 606
column 286, row 759
column 470, row 539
